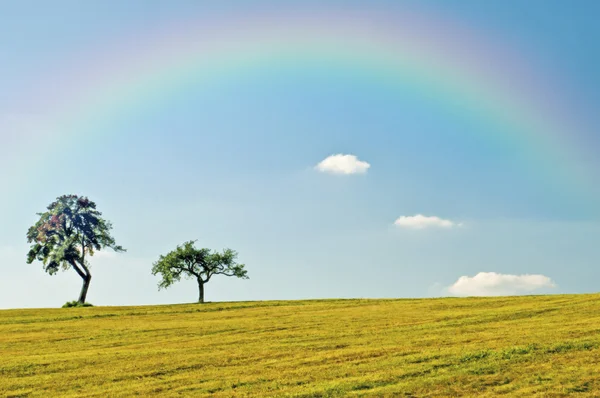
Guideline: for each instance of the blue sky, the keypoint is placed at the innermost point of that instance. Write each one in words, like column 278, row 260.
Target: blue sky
column 234, row 166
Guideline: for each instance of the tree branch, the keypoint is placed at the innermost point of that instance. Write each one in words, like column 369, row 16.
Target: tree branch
column 83, row 249
column 76, row 268
column 223, row 273
column 87, row 271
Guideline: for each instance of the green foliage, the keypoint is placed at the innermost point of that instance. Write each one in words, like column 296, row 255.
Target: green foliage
column 76, row 304
column 201, row 264
column 70, row 229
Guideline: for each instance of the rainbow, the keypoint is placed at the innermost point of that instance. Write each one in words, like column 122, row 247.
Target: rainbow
column 464, row 70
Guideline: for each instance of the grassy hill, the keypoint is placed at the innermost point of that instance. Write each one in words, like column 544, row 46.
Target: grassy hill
column 547, row 345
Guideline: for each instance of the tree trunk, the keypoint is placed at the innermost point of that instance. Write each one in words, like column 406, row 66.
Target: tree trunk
column 201, row 288
column 84, row 288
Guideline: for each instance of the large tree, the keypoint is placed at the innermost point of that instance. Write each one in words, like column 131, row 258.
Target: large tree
column 201, row 264
column 66, row 234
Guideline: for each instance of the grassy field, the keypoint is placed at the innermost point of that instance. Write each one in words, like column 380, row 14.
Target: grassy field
column 517, row 346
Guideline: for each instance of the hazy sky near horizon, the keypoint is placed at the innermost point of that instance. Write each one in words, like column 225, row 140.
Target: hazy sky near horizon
column 328, row 183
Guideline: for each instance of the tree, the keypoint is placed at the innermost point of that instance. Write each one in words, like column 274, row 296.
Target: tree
column 201, row 264
column 66, row 234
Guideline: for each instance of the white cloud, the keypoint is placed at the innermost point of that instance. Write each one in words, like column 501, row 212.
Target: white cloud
column 494, row 284
column 342, row 164
column 420, row 221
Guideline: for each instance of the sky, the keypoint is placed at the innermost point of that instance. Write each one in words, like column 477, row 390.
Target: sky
column 345, row 174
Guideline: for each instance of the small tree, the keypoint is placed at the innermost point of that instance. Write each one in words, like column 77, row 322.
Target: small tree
column 64, row 235
column 200, row 264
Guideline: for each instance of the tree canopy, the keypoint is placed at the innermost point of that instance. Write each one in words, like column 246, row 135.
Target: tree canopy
column 202, row 264
column 70, row 230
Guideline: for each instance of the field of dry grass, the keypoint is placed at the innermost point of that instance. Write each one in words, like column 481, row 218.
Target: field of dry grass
column 546, row 345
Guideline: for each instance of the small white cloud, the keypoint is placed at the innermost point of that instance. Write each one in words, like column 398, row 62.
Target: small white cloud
column 494, row 284
column 342, row 164
column 420, row 221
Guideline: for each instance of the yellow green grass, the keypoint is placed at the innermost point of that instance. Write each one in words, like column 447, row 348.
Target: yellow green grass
column 546, row 345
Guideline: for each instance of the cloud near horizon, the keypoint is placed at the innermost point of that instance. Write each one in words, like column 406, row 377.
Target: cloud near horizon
column 495, row 284
column 342, row 164
column 419, row 221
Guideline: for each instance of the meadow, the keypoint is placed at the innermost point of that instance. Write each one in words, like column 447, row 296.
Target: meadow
column 515, row 346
